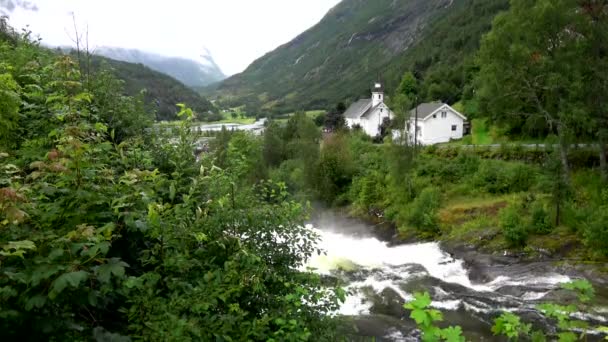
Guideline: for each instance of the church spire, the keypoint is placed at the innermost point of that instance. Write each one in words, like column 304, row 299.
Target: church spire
column 377, row 94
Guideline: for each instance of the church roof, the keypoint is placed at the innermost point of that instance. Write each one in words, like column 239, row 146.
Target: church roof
column 358, row 109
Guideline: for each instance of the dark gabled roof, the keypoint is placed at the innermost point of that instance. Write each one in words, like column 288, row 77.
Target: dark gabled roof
column 425, row 109
column 358, row 109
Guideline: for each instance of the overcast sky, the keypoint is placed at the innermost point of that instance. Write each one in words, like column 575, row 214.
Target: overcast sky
column 235, row 31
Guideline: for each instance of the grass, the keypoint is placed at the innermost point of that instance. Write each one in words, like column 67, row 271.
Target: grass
column 282, row 118
column 310, row 113
column 481, row 133
column 239, row 117
column 240, row 120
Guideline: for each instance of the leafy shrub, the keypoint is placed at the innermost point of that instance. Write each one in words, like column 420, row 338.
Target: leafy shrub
column 367, row 191
column 540, row 221
column 596, row 231
column 426, row 318
column 513, row 226
column 422, row 213
column 511, row 326
column 499, row 177
column 334, row 169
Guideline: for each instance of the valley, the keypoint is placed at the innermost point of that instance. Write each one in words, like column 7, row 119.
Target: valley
column 403, row 170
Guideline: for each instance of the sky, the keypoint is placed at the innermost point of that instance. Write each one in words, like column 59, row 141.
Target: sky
column 236, row 32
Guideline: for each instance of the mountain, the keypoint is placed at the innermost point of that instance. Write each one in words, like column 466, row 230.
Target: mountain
column 360, row 41
column 162, row 92
column 193, row 73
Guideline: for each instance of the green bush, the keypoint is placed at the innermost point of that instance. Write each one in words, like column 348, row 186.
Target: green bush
column 596, row 231
column 367, row 191
column 497, row 177
column 513, row 227
column 540, row 221
column 422, row 213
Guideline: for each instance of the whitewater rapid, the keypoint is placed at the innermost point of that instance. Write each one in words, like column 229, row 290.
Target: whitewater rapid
column 391, row 267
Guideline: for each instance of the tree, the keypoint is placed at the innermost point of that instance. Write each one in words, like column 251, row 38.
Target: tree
column 404, row 100
column 335, row 168
column 274, row 146
column 301, row 140
column 595, row 56
column 385, row 130
column 528, row 65
column 102, row 240
column 334, row 119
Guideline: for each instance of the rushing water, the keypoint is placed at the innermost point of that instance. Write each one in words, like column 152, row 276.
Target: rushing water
column 380, row 278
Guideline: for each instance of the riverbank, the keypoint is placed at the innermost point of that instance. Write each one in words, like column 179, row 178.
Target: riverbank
column 471, row 288
column 485, row 254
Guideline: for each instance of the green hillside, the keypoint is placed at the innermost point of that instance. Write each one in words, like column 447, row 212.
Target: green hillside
column 162, row 92
column 360, row 41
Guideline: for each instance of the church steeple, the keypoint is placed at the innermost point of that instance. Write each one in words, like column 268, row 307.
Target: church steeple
column 377, row 94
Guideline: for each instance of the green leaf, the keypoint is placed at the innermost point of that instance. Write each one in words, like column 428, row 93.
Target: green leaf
column 37, row 301
column 44, row 272
column 17, row 248
column 431, row 334
column 420, row 317
column 341, row 294
column 101, row 128
column 7, row 292
column 83, row 97
column 567, row 337
column 114, row 266
column 421, row 301
column 435, row 315
column 538, row 336
column 583, row 288
column 72, row 279
column 452, row 334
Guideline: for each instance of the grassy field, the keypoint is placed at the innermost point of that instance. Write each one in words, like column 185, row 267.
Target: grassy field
column 311, row 114
column 239, row 118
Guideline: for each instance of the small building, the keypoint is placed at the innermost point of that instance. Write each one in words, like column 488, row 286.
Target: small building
column 369, row 113
column 437, row 123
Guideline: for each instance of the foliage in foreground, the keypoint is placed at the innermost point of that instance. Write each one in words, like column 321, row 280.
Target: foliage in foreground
column 509, row 324
column 111, row 233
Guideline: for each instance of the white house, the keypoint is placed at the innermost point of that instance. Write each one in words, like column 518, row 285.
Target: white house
column 437, row 123
column 369, row 113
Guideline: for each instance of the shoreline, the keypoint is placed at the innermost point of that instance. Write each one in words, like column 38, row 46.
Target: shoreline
column 485, row 265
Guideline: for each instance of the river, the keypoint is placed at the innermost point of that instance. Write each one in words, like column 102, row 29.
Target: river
column 381, row 277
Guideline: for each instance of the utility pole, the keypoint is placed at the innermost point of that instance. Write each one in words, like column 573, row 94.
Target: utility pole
column 416, row 123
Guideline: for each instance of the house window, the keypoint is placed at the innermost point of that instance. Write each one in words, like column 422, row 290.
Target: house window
column 454, row 128
column 444, row 114
column 419, row 130
column 381, row 110
column 408, row 126
column 434, row 116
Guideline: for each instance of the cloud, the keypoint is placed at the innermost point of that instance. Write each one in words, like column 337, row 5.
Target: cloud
column 236, row 31
column 8, row 6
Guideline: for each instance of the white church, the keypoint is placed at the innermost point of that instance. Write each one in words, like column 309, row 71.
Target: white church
column 432, row 123
column 369, row 113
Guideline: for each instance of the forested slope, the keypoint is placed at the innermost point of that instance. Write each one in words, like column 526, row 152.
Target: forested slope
column 162, row 92
column 358, row 42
